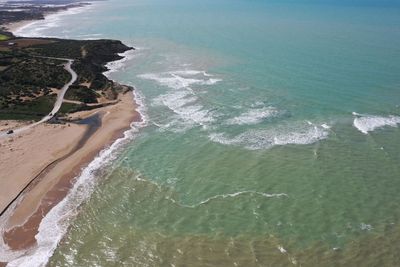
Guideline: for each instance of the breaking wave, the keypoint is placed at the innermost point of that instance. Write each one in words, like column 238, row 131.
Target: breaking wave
column 253, row 116
column 119, row 65
column 232, row 195
column 187, row 106
column 181, row 78
column 188, row 109
column 264, row 139
column 369, row 123
column 39, row 27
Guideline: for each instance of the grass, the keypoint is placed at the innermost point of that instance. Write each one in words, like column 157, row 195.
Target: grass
column 4, row 37
column 36, row 109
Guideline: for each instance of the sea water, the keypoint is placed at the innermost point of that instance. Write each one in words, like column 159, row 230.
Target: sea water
column 269, row 136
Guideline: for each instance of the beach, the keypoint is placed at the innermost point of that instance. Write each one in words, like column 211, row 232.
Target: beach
column 61, row 145
column 13, row 27
column 39, row 166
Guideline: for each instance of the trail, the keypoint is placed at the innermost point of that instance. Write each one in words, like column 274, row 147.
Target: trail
column 57, row 104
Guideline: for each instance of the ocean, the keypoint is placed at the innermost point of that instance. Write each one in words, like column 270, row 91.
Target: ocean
column 269, row 137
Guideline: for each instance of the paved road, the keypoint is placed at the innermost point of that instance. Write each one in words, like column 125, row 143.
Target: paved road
column 59, row 100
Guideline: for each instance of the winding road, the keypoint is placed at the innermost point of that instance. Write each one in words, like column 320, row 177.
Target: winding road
column 57, row 104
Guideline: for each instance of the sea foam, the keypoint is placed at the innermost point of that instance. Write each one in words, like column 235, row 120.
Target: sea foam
column 186, row 105
column 119, row 65
column 279, row 136
column 231, row 195
column 188, row 109
column 253, row 116
column 37, row 28
column 369, row 123
column 181, row 78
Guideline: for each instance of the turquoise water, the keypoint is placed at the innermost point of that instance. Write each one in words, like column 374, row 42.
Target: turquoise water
column 271, row 136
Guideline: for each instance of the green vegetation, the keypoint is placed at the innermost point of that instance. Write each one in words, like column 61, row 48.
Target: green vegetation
column 82, row 93
column 32, row 110
column 28, row 77
column 4, row 37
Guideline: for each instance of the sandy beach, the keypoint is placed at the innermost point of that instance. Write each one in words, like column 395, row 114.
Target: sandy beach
column 38, row 167
column 48, row 158
column 12, row 27
column 29, row 153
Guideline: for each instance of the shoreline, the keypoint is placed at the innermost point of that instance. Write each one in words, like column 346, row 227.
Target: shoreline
column 21, row 223
column 48, row 185
column 16, row 26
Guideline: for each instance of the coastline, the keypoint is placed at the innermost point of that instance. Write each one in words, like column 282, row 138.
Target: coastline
column 59, row 161
column 54, row 184
column 21, row 223
column 17, row 26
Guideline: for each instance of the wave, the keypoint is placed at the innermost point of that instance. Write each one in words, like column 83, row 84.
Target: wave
column 37, row 28
column 253, row 116
column 117, row 65
column 120, row 64
column 181, row 78
column 369, row 123
column 264, row 139
column 182, row 100
column 232, row 195
column 186, row 105
column 92, row 36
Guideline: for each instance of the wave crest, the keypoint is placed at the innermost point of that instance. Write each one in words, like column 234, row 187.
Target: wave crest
column 253, row 116
column 264, row 139
column 369, row 123
column 233, row 195
column 181, row 78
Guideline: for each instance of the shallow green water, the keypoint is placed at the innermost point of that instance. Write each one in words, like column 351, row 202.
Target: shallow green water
column 251, row 154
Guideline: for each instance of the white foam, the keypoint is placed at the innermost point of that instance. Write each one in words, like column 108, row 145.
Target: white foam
column 187, row 107
column 369, row 123
column 120, row 64
column 257, row 104
column 191, row 73
column 366, row 227
column 182, row 100
column 181, row 78
column 55, row 224
column 92, row 36
column 37, row 28
column 326, row 126
column 281, row 249
column 253, row 116
column 279, row 136
column 232, row 195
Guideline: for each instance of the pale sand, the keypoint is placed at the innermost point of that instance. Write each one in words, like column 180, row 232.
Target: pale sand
column 11, row 124
column 14, row 26
column 48, row 144
column 23, row 156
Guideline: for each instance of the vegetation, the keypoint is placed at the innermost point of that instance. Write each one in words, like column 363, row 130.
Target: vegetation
column 29, row 110
column 82, row 93
column 30, row 74
column 4, row 37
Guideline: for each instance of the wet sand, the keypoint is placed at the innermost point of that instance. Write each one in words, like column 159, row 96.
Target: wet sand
column 58, row 154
